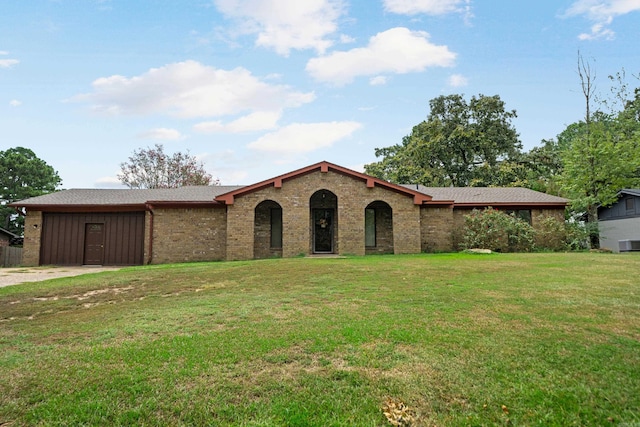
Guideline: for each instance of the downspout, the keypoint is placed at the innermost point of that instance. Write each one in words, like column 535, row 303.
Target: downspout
column 149, row 208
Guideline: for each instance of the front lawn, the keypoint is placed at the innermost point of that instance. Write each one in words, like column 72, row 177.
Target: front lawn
column 508, row 339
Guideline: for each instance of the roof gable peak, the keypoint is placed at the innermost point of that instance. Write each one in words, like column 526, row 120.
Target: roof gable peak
column 323, row 167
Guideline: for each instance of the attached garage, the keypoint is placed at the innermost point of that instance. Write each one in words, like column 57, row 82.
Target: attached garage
column 115, row 238
column 124, row 227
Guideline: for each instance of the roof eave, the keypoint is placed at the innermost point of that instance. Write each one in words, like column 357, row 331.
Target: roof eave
column 166, row 204
column 450, row 203
column 83, row 207
column 518, row 204
column 629, row 192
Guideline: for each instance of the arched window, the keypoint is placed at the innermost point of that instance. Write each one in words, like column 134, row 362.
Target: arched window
column 267, row 236
column 378, row 228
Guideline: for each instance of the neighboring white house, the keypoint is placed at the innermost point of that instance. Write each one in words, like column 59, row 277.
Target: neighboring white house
column 620, row 222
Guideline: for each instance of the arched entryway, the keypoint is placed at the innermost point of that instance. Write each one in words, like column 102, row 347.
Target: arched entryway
column 323, row 207
column 378, row 228
column 267, row 230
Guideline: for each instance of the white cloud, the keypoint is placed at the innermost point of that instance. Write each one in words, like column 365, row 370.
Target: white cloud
column 109, row 182
column 378, row 81
column 8, row 63
column 397, row 50
column 458, row 80
column 283, row 25
column 15, row 103
column 162, row 133
column 190, row 90
column 345, row 39
column 601, row 13
column 358, row 168
column 430, row 7
column 260, row 120
column 104, row 5
column 304, row 137
column 230, row 167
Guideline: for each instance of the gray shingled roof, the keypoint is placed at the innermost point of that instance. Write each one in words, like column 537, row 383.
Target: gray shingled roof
column 631, row 191
column 115, row 197
column 487, row 195
column 128, row 196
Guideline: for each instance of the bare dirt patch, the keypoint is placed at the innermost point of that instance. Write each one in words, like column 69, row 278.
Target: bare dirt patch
column 14, row 276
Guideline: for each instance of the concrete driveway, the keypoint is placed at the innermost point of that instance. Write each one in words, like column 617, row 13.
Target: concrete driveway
column 14, row 276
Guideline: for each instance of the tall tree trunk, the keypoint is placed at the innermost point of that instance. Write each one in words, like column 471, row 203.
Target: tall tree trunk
column 587, row 78
column 594, row 231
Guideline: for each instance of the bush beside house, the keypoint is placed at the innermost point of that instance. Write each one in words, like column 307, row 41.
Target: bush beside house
column 503, row 232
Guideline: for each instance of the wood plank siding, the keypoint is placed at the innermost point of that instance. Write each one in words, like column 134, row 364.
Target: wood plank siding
column 63, row 238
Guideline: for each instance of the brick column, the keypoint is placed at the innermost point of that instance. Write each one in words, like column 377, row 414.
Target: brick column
column 406, row 229
column 32, row 239
column 240, row 219
column 295, row 227
column 436, row 229
column 351, row 223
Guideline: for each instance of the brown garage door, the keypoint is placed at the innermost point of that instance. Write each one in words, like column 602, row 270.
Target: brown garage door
column 92, row 238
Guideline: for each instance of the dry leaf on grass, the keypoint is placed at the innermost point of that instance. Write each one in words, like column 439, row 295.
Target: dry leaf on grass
column 398, row 413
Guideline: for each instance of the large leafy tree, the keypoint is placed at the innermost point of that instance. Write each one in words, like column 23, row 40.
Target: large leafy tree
column 153, row 168
column 460, row 143
column 543, row 167
column 601, row 154
column 22, row 175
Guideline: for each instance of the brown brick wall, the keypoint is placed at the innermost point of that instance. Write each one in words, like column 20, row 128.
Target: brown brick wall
column 436, row 226
column 539, row 214
column 458, row 226
column 32, row 238
column 294, row 197
column 181, row 235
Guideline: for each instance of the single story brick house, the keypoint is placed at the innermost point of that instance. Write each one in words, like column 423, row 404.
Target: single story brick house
column 320, row 209
column 619, row 223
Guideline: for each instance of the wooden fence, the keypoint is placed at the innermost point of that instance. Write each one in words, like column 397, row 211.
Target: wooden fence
column 10, row 256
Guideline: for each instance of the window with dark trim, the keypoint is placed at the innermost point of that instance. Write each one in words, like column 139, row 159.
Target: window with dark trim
column 523, row 214
column 276, row 228
column 629, row 204
column 370, row 227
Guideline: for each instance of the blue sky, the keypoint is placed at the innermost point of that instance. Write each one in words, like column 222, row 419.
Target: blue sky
column 257, row 88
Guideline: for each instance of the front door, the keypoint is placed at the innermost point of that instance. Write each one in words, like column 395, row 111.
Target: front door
column 323, row 230
column 94, row 244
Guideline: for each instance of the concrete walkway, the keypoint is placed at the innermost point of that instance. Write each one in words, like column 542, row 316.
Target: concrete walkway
column 14, row 276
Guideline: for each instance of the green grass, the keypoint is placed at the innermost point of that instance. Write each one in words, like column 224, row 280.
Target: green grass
column 478, row 340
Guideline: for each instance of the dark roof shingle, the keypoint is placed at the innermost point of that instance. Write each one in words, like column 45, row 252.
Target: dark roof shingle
column 207, row 194
column 113, row 197
column 488, row 195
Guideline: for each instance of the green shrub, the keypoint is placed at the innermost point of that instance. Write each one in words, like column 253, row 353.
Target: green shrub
column 555, row 235
column 577, row 235
column 498, row 231
column 551, row 234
